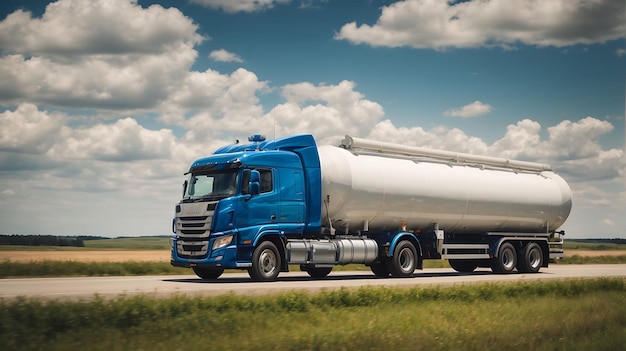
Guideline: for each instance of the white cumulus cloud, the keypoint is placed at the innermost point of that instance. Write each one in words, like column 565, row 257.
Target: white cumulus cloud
column 222, row 55
column 326, row 111
column 572, row 147
column 240, row 5
column 97, row 27
column 28, row 130
column 115, row 55
column 474, row 109
column 444, row 24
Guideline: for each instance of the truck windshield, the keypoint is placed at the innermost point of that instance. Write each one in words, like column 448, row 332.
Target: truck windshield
column 213, row 186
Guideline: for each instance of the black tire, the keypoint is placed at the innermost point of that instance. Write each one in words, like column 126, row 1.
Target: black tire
column 530, row 259
column 506, row 260
column 379, row 269
column 463, row 266
column 265, row 262
column 404, row 260
column 208, row 273
column 316, row 272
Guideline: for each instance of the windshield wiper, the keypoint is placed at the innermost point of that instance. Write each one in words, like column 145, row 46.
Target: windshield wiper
column 209, row 197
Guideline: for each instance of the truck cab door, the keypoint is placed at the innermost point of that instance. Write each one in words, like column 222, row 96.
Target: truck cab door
column 292, row 201
column 258, row 209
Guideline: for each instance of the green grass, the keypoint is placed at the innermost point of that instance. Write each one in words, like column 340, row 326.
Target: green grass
column 10, row 269
column 552, row 315
column 600, row 245
column 607, row 259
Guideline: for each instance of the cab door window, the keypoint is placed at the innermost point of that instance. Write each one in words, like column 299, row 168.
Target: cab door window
column 267, row 181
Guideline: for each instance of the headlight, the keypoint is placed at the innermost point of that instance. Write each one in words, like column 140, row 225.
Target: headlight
column 223, row 241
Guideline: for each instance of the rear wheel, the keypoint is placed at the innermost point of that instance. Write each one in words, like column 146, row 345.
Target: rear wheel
column 463, row 266
column 404, row 260
column 379, row 269
column 265, row 262
column 316, row 272
column 506, row 260
column 208, row 273
column 531, row 259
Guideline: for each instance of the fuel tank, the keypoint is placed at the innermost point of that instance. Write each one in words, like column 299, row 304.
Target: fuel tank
column 385, row 186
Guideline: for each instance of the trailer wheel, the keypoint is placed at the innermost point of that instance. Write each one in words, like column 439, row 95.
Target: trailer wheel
column 404, row 260
column 463, row 266
column 265, row 262
column 316, row 272
column 506, row 260
column 379, row 269
column 208, row 273
column 531, row 259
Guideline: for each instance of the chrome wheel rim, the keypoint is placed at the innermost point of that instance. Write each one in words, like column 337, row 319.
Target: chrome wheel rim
column 267, row 262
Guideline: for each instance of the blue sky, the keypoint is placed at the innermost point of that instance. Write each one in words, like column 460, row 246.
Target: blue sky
column 104, row 104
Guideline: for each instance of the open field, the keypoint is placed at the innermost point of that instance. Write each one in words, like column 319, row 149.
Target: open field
column 156, row 262
column 594, row 253
column 88, row 255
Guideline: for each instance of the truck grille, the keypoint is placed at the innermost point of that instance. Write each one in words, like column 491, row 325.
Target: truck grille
column 193, row 228
column 192, row 249
column 194, row 220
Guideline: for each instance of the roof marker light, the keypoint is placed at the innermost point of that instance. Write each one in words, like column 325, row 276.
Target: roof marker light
column 256, row 138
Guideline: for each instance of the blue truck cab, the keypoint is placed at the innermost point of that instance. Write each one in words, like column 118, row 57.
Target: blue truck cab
column 244, row 195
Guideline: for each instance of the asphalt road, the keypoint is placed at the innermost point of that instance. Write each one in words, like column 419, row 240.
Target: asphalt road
column 239, row 283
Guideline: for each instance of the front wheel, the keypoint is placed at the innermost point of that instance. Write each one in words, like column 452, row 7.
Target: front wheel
column 404, row 260
column 265, row 262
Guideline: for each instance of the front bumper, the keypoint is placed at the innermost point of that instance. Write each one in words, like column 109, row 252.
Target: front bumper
column 224, row 257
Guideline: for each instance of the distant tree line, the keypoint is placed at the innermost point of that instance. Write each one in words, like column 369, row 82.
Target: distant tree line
column 42, row 240
column 600, row 241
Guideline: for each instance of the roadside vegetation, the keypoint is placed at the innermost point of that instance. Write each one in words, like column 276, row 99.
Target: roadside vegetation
column 587, row 314
column 98, row 243
column 595, row 244
column 10, row 269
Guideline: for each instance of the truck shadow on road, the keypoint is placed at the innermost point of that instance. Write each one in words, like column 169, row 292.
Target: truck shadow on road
column 225, row 279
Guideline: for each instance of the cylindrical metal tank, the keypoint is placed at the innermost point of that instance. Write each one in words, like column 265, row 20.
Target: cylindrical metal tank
column 372, row 191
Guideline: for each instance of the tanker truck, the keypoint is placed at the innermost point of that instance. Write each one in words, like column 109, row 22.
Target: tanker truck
column 268, row 205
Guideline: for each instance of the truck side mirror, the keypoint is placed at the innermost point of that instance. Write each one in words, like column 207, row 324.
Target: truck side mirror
column 255, row 182
column 185, row 188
